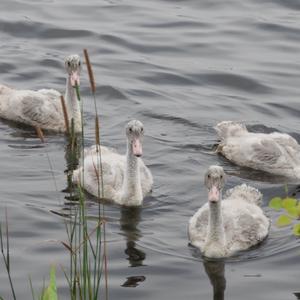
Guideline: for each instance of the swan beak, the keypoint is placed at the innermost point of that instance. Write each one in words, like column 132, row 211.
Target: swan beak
column 214, row 194
column 74, row 78
column 137, row 147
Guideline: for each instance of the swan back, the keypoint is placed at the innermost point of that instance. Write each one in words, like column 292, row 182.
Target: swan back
column 43, row 108
column 227, row 129
column 275, row 153
column 246, row 193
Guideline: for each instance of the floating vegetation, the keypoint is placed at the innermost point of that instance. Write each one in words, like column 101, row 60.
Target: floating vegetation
column 290, row 207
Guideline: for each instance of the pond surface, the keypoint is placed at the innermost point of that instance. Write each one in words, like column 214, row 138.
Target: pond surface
column 179, row 67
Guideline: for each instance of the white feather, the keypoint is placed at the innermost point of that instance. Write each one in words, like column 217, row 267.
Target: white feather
column 42, row 108
column 126, row 179
column 275, row 153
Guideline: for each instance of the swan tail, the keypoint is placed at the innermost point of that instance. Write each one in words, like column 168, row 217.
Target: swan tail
column 245, row 192
column 226, row 129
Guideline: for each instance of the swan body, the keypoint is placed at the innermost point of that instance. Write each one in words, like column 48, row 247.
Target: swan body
column 222, row 227
column 43, row 108
column 275, row 153
column 126, row 179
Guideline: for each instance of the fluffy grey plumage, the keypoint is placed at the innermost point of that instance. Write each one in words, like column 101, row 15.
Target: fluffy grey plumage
column 43, row 108
column 275, row 153
column 222, row 227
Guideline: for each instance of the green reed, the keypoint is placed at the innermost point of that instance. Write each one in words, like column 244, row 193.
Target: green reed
column 86, row 247
column 6, row 253
column 88, row 256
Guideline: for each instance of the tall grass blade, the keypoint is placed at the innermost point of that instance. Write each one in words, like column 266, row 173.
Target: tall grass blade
column 65, row 113
column 6, row 256
column 97, row 131
column 90, row 71
column 31, row 288
column 99, row 167
column 50, row 293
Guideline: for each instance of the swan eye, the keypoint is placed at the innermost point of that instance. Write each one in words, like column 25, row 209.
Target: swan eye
column 130, row 129
column 208, row 176
column 69, row 64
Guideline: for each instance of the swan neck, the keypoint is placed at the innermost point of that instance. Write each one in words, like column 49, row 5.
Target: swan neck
column 73, row 106
column 132, row 182
column 216, row 229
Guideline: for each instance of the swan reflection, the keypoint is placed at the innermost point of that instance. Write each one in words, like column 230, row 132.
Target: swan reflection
column 129, row 221
column 216, row 274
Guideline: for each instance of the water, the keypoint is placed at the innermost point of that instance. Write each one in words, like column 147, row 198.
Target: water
column 179, row 67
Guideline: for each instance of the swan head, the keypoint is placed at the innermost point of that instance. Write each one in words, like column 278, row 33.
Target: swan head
column 214, row 181
column 135, row 133
column 73, row 68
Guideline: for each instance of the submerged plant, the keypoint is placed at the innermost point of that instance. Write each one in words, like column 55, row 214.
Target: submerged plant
column 291, row 208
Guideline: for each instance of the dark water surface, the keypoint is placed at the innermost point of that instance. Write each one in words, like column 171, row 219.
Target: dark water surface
column 180, row 67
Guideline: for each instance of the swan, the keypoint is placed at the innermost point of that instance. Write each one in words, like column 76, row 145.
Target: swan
column 126, row 179
column 275, row 153
column 222, row 227
column 43, row 108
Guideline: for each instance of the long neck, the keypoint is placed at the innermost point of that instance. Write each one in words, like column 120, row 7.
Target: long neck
column 216, row 233
column 132, row 190
column 216, row 229
column 73, row 106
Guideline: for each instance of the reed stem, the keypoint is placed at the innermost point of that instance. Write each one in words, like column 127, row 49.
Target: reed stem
column 6, row 257
column 65, row 113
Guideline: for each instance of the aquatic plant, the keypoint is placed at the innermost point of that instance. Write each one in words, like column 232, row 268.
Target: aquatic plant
column 86, row 246
column 88, row 257
column 291, row 212
column 50, row 293
column 6, row 253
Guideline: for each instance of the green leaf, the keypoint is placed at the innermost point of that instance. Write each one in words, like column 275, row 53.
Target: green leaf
column 298, row 210
column 289, row 202
column 276, row 203
column 50, row 293
column 293, row 212
column 296, row 229
column 283, row 220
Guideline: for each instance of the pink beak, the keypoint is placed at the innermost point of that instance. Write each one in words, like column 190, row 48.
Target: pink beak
column 74, row 78
column 214, row 194
column 137, row 147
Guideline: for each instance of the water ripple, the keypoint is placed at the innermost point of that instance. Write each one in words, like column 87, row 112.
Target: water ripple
column 32, row 29
column 144, row 47
column 232, row 81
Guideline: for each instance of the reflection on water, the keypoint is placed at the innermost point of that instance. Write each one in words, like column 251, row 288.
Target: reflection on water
column 297, row 295
column 133, row 281
column 216, row 274
column 129, row 221
column 72, row 156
